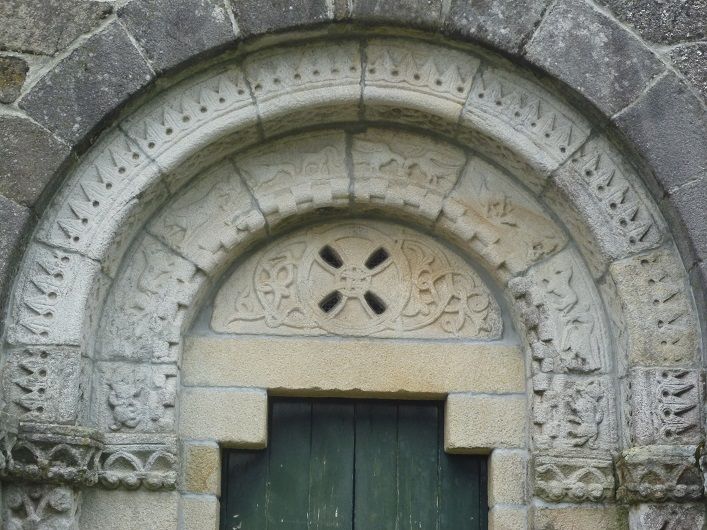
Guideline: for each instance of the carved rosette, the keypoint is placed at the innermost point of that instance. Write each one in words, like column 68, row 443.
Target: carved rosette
column 574, row 476
column 659, row 473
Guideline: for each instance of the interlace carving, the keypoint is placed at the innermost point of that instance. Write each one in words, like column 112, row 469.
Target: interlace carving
column 357, row 279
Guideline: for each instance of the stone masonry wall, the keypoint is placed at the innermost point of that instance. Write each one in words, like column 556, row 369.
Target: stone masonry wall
column 67, row 67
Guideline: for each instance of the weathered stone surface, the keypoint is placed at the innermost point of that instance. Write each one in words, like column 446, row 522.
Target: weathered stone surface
column 200, row 512
column 130, row 398
column 362, row 366
column 667, row 516
column 408, row 173
column 308, row 84
column 691, row 61
column 130, row 460
column 56, row 297
column 211, row 220
column 606, row 517
column 297, row 175
column 202, row 468
column 574, row 476
column 688, row 211
column 520, row 124
column 366, row 279
column 43, row 383
column 129, row 510
column 506, row 24
column 476, row 423
column 14, row 221
column 48, row 26
column 30, row 157
column 665, row 406
column 663, row 22
column 507, row 477
column 232, row 417
column 669, row 127
column 420, row 85
column 40, row 506
column 658, row 473
column 88, row 85
column 13, row 71
column 148, row 305
column 255, row 17
column 602, row 201
column 657, row 309
column 574, row 37
column 488, row 213
column 173, row 31
column 563, row 315
column 508, row 518
column 419, row 13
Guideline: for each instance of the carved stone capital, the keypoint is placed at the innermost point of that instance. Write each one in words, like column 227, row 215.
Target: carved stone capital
column 79, row 456
column 41, row 452
column 574, row 476
column 132, row 460
column 659, row 473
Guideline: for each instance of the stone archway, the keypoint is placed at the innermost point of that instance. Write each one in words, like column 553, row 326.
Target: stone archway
column 447, row 139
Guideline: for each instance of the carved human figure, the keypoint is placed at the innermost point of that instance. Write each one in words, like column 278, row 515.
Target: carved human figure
column 125, row 402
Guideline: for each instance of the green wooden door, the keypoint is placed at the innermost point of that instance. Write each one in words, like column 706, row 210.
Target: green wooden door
column 364, row 465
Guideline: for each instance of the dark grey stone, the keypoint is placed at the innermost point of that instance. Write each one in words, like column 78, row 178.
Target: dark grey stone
column 88, row 85
column 255, row 17
column 172, row 31
column 665, row 21
column 688, row 206
column 668, row 126
column 13, row 71
column 593, row 55
column 418, row 13
column 47, row 26
column 506, row 24
column 691, row 61
column 14, row 227
column 29, row 157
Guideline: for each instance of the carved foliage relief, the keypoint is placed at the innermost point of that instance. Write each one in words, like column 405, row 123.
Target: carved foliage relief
column 356, row 278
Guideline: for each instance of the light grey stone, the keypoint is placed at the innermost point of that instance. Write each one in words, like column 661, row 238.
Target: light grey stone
column 14, row 222
column 128, row 510
column 255, row 17
column 665, row 406
column 657, row 309
column 49, row 506
column 668, row 516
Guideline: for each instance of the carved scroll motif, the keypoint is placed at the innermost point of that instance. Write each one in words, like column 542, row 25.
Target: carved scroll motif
column 367, row 279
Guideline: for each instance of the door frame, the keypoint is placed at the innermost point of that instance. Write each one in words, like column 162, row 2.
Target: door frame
column 226, row 383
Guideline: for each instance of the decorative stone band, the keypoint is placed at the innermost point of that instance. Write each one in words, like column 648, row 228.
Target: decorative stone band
column 80, row 456
column 574, row 476
column 659, row 473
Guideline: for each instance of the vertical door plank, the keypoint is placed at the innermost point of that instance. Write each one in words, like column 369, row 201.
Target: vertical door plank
column 417, row 467
column 244, row 491
column 331, row 466
column 376, row 493
column 289, row 448
column 459, row 492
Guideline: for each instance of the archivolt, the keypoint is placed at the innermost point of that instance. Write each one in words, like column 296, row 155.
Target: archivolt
column 454, row 140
